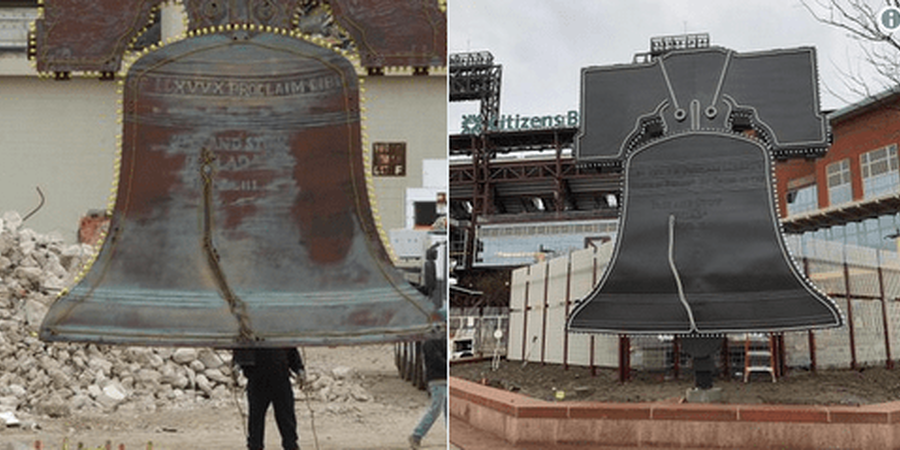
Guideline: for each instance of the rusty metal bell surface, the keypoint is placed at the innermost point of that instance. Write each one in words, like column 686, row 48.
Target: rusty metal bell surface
column 242, row 216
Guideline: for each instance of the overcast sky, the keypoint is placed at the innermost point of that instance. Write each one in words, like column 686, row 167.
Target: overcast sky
column 543, row 44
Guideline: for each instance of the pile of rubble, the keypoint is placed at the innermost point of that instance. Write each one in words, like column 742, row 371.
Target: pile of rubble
column 58, row 379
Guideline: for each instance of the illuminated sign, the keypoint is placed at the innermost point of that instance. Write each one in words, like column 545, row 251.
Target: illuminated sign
column 471, row 123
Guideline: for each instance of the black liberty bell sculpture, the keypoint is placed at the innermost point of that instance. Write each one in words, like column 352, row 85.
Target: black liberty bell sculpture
column 242, row 217
column 699, row 250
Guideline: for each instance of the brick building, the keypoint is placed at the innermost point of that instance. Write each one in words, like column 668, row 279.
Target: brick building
column 852, row 194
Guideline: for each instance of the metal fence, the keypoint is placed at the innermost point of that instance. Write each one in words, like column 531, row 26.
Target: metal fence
column 478, row 332
column 864, row 282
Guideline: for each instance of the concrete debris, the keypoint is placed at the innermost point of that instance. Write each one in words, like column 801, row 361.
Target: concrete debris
column 11, row 221
column 342, row 373
column 9, row 419
column 184, row 355
column 61, row 379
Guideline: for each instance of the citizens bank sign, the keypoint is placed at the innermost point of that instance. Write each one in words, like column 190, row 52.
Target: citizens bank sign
column 471, row 123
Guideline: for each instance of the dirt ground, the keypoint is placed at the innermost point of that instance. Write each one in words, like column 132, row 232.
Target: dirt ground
column 383, row 423
column 824, row 387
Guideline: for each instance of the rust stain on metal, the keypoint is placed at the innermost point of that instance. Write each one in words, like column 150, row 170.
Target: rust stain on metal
column 88, row 36
column 76, row 36
column 395, row 34
column 369, row 318
column 206, row 14
column 324, row 210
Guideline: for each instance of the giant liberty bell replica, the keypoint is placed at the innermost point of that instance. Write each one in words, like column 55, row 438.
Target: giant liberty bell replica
column 699, row 249
column 242, row 216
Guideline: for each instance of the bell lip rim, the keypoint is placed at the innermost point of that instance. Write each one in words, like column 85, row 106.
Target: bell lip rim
column 231, row 341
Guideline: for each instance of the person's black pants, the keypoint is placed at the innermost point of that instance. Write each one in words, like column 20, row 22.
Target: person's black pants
column 263, row 389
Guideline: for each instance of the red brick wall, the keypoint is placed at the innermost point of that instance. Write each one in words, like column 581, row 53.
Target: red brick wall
column 792, row 169
column 873, row 128
column 518, row 420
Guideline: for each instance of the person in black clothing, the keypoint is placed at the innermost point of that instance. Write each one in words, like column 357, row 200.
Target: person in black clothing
column 268, row 381
column 431, row 286
column 435, row 351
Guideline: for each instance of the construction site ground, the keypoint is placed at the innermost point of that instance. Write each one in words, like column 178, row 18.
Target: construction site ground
column 799, row 386
column 384, row 422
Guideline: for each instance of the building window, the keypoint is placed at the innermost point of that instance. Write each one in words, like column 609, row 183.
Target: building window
column 879, row 171
column 803, row 200
column 839, row 190
column 426, row 214
column 878, row 233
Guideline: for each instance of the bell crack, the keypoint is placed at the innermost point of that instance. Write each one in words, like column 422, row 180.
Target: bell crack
column 675, row 274
column 237, row 306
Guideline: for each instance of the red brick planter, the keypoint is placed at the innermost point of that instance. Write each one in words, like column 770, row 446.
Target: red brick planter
column 519, row 419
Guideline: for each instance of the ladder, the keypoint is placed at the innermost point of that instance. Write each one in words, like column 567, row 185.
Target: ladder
column 758, row 355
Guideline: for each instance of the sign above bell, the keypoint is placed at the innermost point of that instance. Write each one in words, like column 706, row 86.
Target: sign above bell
column 242, row 216
column 700, row 248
